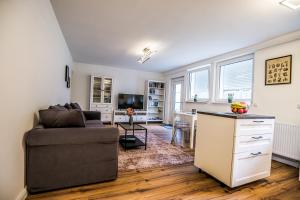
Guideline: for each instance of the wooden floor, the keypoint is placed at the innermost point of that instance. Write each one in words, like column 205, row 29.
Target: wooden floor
column 183, row 182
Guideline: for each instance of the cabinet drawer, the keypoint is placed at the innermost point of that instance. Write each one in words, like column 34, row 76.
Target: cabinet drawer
column 95, row 109
column 250, row 166
column 254, row 126
column 249, row 142
column 120, row 118
column 101, row 106
column 106, row 117
column 105, row 110
column 102, row 110
column 140, row 118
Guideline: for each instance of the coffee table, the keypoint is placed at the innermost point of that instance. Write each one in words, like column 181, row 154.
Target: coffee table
column 131, row 141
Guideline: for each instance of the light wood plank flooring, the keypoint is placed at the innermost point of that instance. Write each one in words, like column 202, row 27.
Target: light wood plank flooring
column 183, row 183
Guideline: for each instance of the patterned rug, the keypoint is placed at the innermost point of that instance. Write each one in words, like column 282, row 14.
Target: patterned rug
column 159, row 152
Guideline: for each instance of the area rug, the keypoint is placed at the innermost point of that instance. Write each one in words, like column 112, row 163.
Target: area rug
column 159, row 152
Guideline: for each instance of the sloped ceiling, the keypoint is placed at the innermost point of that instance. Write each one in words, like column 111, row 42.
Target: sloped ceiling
column 114, row 32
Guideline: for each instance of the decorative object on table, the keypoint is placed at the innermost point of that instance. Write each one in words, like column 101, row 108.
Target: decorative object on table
column 239, row 107
column 230, row 97
column 130, row 112
column 67, row 76
column 194, row 111
column 278, row 70
column 195, row 98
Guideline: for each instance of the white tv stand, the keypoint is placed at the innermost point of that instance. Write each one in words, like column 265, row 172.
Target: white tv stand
column 121, row 116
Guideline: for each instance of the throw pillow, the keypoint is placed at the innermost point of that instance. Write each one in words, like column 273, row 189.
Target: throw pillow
column 68, row 106
column 57, row 107
column 75, row 106
column 52, row 118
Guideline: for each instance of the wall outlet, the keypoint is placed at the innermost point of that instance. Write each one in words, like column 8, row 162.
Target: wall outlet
column 298, row 106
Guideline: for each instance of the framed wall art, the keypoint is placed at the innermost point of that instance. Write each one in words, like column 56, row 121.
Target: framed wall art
column 278, row 70
column 67, row 76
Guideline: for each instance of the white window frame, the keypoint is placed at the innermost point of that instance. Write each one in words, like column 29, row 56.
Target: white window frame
column 188, row 85
column 218, row 73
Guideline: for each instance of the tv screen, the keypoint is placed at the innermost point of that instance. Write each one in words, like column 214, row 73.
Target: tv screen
column 134, row 101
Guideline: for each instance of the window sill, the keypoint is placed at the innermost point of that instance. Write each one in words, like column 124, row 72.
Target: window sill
column 224, row 102
column 198, row 101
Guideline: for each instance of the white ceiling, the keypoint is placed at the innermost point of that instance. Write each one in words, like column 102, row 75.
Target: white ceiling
column 114, row 32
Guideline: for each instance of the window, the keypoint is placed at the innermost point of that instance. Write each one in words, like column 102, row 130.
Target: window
column 178, row 98
column 235, row 77
column 198, row 80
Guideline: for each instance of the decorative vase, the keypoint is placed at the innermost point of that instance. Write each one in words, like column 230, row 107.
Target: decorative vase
column 130, row 120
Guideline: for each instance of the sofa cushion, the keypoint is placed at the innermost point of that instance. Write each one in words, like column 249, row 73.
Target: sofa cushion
column 54, row 118
column 75, row 106
column 78, row 135
column 92, row 115
column 94, row 124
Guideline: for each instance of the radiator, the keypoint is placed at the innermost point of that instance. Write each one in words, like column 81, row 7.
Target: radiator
column 287, row 140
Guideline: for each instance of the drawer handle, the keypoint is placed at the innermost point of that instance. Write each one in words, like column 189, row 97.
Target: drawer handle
column 257, row 121
column 256, row 154
column 257, row 138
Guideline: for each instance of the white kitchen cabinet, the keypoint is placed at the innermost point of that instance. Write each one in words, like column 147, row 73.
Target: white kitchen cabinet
column 235, row 149
column 101, row 90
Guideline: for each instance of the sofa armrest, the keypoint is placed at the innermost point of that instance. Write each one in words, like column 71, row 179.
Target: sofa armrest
column 59, row 136
column 92, row 115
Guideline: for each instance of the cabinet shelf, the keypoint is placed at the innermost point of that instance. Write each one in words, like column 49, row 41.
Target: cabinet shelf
column 155, row 93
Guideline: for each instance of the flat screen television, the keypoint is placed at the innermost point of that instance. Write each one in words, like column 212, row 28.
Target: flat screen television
column 134, row 101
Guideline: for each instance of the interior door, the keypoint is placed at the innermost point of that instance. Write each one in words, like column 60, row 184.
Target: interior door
column 177, row 95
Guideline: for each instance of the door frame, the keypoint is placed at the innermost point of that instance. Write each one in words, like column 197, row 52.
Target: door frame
column 177, row 80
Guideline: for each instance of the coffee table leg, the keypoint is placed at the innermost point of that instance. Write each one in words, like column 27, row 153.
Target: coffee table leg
column 146, row 139
column 125, row 140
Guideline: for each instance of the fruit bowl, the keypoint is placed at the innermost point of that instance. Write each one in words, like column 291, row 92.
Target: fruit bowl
column 239, row 107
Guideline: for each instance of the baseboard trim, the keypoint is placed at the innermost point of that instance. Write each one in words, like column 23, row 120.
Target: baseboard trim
column 288, row 161
column 22, row 195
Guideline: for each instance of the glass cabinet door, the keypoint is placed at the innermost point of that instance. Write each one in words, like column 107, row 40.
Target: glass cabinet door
column 107, row 89
column 97, row 90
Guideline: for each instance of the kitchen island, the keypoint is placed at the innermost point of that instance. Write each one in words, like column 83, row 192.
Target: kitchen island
column 234, row 148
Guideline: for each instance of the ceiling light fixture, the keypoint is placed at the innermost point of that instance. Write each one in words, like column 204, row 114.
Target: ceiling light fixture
column 293, row 4
column 147, row 54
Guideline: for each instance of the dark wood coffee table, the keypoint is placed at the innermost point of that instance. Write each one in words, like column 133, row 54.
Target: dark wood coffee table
column 131, row 141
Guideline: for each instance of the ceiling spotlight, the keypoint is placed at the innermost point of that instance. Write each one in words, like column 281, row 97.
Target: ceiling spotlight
column 293, row 4
column 147, row 53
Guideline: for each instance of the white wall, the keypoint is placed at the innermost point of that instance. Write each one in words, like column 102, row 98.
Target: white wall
column 279, row 100
column 33, row 55
column 125, row 81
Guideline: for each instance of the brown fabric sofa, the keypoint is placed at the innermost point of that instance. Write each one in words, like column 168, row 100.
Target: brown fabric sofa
column 64, row 157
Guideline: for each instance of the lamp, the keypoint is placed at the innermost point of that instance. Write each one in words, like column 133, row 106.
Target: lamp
column 293, row 4
column 147, row 53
